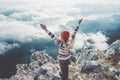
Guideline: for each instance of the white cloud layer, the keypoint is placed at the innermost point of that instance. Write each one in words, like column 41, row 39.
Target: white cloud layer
column 19, row 20
column 5, row 47
column 95, row 41
column 18, row 31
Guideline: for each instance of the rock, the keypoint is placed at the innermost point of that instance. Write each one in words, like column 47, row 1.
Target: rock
column 113, row 50
column 42, row 57
column 77, row 77
column 87, row 65
column 34, row 70
column 88, row 55
column 56, row 78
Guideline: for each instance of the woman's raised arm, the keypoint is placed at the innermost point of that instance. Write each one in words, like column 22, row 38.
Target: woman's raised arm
column 76, row 29
column 43, row 26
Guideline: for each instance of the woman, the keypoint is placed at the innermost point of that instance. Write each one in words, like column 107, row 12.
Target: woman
column 64, row 44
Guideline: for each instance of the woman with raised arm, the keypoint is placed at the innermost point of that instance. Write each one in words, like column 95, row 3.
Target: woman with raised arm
column 64, row 44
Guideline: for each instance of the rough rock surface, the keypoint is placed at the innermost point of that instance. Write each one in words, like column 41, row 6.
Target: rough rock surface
column 86, row 65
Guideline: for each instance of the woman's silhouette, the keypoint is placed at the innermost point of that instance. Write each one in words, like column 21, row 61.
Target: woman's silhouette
column 64, row 44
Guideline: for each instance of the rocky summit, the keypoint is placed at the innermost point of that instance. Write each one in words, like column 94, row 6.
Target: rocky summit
column 87, row 64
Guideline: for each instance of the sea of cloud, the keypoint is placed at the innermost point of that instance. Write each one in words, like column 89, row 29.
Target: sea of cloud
column 19, row 21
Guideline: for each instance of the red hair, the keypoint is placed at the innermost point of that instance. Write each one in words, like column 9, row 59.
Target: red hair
column 65, row 35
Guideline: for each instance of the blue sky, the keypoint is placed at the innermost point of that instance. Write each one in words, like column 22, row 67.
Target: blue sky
column 19, row 20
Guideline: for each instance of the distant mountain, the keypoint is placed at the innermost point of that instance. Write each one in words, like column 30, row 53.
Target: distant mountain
column 88, row 64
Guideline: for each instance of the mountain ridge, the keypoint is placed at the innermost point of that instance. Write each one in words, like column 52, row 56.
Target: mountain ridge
column 85, row 65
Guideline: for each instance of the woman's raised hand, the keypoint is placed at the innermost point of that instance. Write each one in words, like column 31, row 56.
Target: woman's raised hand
column 43, row 26
column 80, row 21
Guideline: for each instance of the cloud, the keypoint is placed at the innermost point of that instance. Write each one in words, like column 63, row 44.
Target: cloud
column 20, row 19
column 5, row 47
column 98, row 10
column 100, row 24
column 18, row 31
column 91, row 40
column 2, row 17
